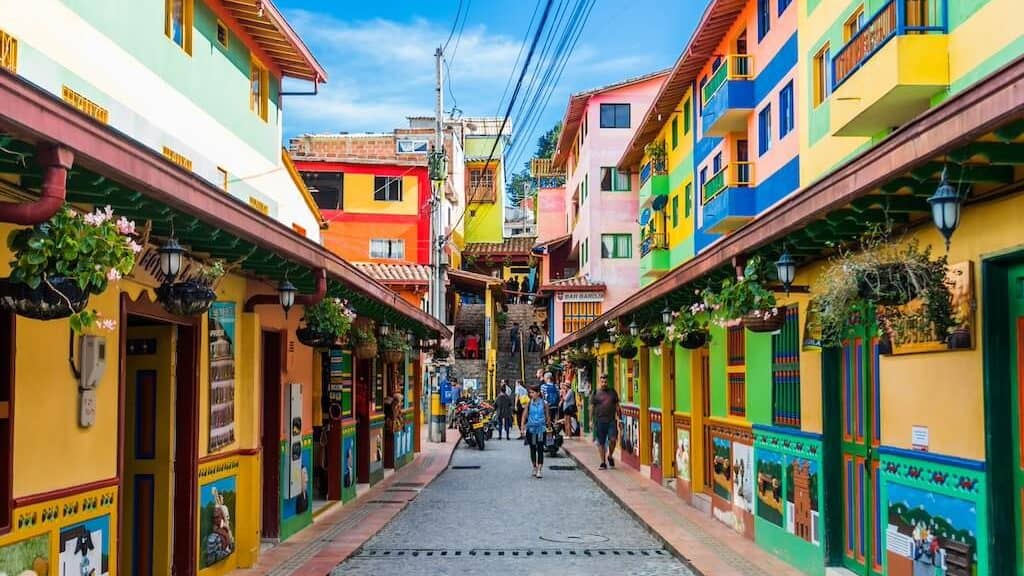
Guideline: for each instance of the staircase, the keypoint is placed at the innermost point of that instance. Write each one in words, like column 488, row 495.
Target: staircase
column 471, row 319
column 509, row 365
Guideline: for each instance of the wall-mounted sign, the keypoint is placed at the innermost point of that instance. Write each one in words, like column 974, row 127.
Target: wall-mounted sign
column 919, row 438
column 914, row 334
column 222, row 374
column 579, row 296
column 412, row 145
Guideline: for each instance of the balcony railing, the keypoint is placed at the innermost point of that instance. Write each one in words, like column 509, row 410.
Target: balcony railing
column 652, row 241
column 518, row 229
column 733, row 174
column 735, row 67
column 895, row 18
column 645, row 173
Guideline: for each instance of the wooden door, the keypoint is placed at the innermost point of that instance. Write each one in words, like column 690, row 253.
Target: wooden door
column 1016, row 310
column 271, row 426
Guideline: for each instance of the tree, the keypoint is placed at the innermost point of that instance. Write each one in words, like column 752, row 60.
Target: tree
column 521, row 185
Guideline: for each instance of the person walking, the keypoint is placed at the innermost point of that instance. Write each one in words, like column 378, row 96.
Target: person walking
column 568, row 411
column 537, row 417
column 550, row 391
column 456, row 396
column 516, row 335
column 604, row 410
column 503, row 410
column 531, row 344
column 513, row 284
column 522, row 398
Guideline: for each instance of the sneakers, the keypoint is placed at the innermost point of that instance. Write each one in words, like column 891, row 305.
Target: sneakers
column 611, row 462
column 540, row 474
column 603, row 466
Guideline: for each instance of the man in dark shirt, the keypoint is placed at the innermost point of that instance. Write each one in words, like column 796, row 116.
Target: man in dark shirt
column 516, row 335
column 604, row 412
column 503, row 410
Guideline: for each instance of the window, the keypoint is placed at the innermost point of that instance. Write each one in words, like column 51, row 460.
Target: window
column 586, row 186
column 675, row 132
column 764, row 129
column 387, row 188
column 786, row 110
column 786, row 370
column 178, row 23
column 764, row 18
column 584, row 252
column 259, row 94
column 327, row 188
column 616, row 245
column 703, row 176
column 387, row 249
column 853, row 24
column 223, row 178
column 736, row 356
column 783, row 4
column 614, row 181
column 688, row 200
column 481, row 186
column 576, row 315
column 614, row 115
column 822, row 75
column 686, row 117
column 716, row 163
column 675, row 211
column 222, row 34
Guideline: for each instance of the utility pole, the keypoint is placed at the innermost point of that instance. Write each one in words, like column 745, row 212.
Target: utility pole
column 438, row 175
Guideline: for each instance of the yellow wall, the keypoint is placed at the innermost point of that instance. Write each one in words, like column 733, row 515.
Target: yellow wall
column 359, row 196
column 484, row 220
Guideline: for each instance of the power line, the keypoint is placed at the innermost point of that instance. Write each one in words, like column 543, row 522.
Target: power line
column 455, row 22
column 508, row 111
column 519, row 56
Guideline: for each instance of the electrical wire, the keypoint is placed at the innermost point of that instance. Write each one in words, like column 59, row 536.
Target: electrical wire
column 455, row 22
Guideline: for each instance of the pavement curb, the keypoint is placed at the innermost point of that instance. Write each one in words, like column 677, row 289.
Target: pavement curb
column 640, row 519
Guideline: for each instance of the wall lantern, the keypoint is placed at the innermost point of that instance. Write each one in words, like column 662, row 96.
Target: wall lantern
column 634, row 330
column 945, row 208
column 286, row 293
column 666, row 314
column 384, row 328
column 785, row 267
column 171, row 254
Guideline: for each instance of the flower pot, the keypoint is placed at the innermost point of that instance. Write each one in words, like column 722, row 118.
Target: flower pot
column 314, row 338
column 441, row 354
column 762, row 324
column 366, row 351
column 393, row 356
column 188, row 298
column 888, row 285
column 694, row 340
column 959, row 339
column 59, row 299
column 652, row 341
column 627, row 352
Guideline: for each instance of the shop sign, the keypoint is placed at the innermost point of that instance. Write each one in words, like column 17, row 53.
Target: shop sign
column 913, row 334
column 580, row 296
column 919, row 438
column 147, row 267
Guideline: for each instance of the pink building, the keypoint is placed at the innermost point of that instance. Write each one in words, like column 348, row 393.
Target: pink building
column 601, row 246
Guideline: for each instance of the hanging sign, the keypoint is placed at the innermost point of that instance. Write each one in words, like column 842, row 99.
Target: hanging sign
column 222, row 374
column 579, row 296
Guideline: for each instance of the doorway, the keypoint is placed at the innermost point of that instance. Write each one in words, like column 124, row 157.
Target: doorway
column 270, row 433
column 363, row 399
column 160, row 446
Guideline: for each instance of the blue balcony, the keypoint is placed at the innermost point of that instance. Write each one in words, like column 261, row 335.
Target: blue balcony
column 728, row 97
column 729, row 198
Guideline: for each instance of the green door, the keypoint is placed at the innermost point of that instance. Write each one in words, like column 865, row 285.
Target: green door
column 1016, row 309
column 862, row 520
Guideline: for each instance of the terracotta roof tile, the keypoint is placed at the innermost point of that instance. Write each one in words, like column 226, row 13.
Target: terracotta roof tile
column 576, row 283
column 510, row 247
column 395, row 273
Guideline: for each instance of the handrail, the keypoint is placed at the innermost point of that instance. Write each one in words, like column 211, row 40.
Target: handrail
column 714, row 186
column 732, row 175
column 653, row 241
column 735, row 67
column 645, row 173
column 889, row 21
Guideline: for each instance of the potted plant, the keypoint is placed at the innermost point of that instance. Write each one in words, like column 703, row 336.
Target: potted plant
column 653, row 335
column 194, row 295
column 501, row 318
column 441, row 352
column 364, row 343
column 886, row 275
column 747, row 299
column 625, row 346
column 689, row 326
column 658, row 155
column 326, row 321
column 578, row 356
column 59, row 263
column 393, row 346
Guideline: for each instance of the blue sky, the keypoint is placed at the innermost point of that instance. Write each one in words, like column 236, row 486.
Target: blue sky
column 379, row 56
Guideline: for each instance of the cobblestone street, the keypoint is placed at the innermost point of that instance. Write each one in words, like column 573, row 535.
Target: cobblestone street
column 487, row 515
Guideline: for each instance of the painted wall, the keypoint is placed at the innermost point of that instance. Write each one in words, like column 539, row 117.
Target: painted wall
column 172, row 96
column 484, row 220
column 551, row 214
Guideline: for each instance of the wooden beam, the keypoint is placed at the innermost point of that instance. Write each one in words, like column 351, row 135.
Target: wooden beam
column 993, row 152
column 964, row 172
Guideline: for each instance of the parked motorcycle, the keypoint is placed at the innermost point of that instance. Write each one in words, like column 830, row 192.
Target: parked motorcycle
column 471, row 424
column 554, row 438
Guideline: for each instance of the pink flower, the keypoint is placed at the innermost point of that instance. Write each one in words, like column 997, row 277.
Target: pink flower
column 135, row 246
column 113, row 275
column 108, row 325
column 125, row 226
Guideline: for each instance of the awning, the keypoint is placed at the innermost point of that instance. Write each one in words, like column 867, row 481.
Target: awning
column 519, row 246
column 396, row 274
column 472, row 279
column 574, row 284
column 110, row 168
column 545, row 247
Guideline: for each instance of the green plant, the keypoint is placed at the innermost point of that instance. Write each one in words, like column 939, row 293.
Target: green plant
column 91, row 249
column 209, row 273
column 394, row 340
column 688, row 320
column 501, row 318
column 624, row 340
column 653, row 333
column 740, row 297
column 330, row 316
column 578, row 356
column 888, row 275
column 362, row 337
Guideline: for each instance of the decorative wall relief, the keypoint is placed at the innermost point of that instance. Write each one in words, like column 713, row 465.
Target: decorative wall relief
column 222, row 374
column 929, row 533
column 802, row 506
column 683, row 454
column 769, row 486
column 31, row 555
column 85, row 548
column 216, row 520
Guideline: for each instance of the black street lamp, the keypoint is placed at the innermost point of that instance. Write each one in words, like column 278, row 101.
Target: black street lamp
column 786, row 269
column 634, row 330
column 286, row 294
column 384, row 328
column 666, row 314
column 945, row 208
column 171, row 254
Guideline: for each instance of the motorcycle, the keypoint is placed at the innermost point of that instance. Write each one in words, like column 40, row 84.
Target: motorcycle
column 554, row 439
column 471, row 423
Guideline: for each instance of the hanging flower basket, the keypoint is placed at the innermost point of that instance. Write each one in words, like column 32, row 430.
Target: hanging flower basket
column 764, row 321
column 393, row 356
column 59, row 299
column 887, row 285
column 314, row 338
column 628, row 352
column 188, row 298
column 366, row 351
column 441, row 353
column 694, row 340
column 652, row 340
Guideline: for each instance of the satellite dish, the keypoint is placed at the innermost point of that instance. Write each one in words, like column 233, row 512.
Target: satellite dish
column 659, row 203
column 645, row 216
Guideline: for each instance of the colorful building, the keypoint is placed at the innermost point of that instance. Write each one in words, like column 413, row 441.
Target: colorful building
column 183, row 437
column 893, row 450
column 600, row 207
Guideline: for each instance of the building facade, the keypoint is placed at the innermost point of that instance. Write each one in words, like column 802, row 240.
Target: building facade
column 892, row 450
column 179, row 436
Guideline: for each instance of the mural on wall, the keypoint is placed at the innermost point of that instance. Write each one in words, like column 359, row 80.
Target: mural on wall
column 376, row 450
column 85, row 548
column 683, row 454
column 743, row 476
column 222, row 374
column 216, row 514
column 912, row 334
column 298, row 504
column 630, row 438
column 348, row 471
column 802, row 498
column 29, row 557
column 930, row 534
column 656, row 444
column 769, row 486
column 722, row 467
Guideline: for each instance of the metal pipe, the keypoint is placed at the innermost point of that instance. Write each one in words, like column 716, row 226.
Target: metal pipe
column 55, row 160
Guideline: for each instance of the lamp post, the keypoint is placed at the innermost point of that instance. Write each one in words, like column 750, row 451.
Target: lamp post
column 945, row 205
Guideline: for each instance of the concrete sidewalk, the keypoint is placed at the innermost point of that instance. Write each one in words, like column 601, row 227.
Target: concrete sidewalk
column 708, row 545
column 338, row 532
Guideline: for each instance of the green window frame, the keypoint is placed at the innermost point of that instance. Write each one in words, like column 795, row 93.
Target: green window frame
column 688, row 201
column 686, row 117
column 675, row 132
column 616, row 246
column 675, row 211
column 786, row 370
